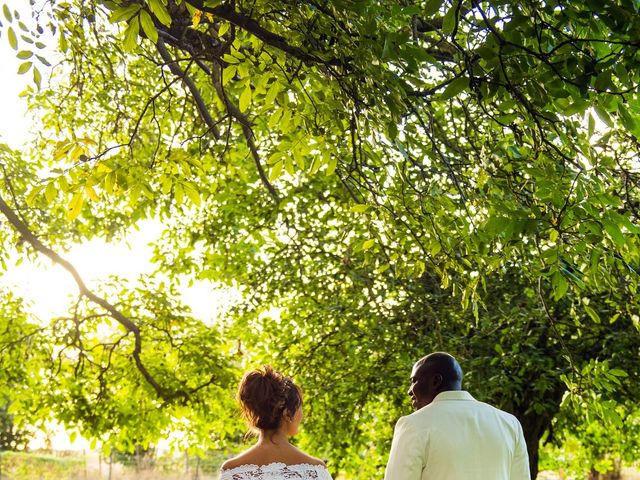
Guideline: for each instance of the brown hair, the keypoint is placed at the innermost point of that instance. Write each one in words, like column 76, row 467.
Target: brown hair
column 265, row 396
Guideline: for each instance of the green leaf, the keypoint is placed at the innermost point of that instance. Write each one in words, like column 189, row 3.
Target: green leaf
column 579, row 106
column 457, row 86
column 627, row 119
column 24, row 67
column 178, row 193
column 618, row 373
column 360, row 208
column 331, row 165
column 24, row 54
column 288, row 165
column 148, row 26
column 299, row 159
column 245, row 98
column 614, row 232
column 224, row 28
column 392, row 130
column 508, row 118
column 228, row 73
column 272, row 93
column 560, row 285
column 367, row 244
column 450, row 19
column 276, row 170
column 64, row 44
column 592, row 313
column 388, row 51
column 383, row 268
column 91, row 193
column 13, row 40
column 432, row 7
column 31, row 198
column 285, row 120
column 161, row 12
column 592, row 126
column 603, row 81
column 75, row 205
column 37, row 78
column 192, row 193
column 43, row 60
column 7, row 13
column 124, row 13
column 230, row 59
column 131, row 36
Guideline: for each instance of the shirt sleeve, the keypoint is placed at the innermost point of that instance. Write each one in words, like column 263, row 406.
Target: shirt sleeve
column 520, row 464
column 406, row 459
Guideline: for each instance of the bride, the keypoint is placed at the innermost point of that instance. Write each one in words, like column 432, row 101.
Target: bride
column 272, row 405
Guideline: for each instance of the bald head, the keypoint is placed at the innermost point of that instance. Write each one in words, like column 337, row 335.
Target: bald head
column 437, row 372
column 443, row 364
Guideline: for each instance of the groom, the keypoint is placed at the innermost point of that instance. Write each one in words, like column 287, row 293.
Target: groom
column 452, row 436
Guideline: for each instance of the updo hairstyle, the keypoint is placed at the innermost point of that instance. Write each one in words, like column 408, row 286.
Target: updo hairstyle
column 265, row 396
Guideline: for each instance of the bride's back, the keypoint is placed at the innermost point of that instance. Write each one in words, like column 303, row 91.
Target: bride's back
column 276, row 471
column 272, row 405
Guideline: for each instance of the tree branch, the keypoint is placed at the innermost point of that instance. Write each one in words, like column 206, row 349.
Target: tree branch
column 197, row 97
column 228, row 13
column 131, row 327
column 235, row 112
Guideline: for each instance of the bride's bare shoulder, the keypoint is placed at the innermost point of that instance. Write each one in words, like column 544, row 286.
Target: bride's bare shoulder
column 261, row 456
column 243, row 458
column 231, row 463
column 302, row 457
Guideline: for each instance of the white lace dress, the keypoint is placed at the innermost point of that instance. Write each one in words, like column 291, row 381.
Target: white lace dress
column 276, row 471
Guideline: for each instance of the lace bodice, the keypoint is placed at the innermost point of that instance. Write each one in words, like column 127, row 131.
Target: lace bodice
column 276, row 471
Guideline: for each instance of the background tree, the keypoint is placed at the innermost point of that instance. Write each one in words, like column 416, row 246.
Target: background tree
column 377, row 179
column 19, row 355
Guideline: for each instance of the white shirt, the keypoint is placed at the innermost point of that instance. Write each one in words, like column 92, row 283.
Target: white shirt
column 276, row 471
column 456, row 437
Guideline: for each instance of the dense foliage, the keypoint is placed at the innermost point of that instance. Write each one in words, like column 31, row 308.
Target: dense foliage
column 377, row 179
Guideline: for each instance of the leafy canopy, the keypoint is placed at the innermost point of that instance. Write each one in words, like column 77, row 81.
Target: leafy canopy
column 376, row 178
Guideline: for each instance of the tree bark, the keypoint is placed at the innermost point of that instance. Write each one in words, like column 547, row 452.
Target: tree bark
column 534, row 425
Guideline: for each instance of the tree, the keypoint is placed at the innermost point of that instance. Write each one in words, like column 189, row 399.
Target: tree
column 17, row 348
column 399, row 175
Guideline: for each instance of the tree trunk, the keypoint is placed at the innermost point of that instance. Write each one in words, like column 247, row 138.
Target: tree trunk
column 534, row 425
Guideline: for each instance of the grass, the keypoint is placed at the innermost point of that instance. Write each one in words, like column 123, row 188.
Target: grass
column 78, row 466
column 19, row 466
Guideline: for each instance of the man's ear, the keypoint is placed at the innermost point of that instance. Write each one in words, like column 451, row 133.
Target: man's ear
column 437, row 380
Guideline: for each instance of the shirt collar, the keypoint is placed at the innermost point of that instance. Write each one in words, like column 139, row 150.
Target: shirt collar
column 453, row 395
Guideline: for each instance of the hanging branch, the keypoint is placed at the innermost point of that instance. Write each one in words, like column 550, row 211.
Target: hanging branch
column 235, row 112
column 197, row 97
column 232, row 109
